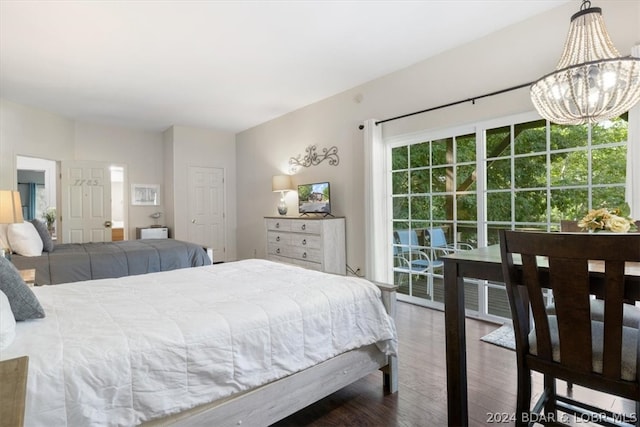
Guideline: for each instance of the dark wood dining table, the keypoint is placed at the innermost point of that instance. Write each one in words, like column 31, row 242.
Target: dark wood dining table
column 485, row 264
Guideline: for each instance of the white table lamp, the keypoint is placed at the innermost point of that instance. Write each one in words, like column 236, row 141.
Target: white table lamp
column 281, row 183
column 10, row 212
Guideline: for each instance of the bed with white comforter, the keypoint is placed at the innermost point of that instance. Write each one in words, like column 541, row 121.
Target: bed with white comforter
column 132, row 349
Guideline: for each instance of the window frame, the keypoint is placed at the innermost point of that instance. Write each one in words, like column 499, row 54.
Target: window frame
column 482, row 223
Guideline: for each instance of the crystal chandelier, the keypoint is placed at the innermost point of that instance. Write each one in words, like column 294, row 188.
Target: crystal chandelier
column 592, row 82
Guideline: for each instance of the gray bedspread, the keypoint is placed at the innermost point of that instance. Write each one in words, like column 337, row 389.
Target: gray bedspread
column 73, row 262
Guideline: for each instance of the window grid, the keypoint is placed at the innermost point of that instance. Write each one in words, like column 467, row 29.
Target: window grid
column 522, row 151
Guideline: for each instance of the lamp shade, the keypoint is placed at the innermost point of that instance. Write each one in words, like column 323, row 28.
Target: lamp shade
column 592, row 82
column 281, row 183
column 10, row 207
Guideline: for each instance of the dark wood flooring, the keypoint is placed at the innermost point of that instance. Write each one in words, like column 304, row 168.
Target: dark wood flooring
column 421, row 400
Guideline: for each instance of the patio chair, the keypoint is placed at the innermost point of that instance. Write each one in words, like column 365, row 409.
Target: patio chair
column 410, row 258
column 440, row 246
column 570, row 344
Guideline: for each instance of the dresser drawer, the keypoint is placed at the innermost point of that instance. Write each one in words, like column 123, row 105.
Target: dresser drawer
column 279, row 237
column 312, row 227
column 297, row 252
column 306, row 264
column 279, row 224
column 278, row 249
column 305, row 241
column 304, row 254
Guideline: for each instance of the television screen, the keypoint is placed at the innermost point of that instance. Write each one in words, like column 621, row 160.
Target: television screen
column 314, row 198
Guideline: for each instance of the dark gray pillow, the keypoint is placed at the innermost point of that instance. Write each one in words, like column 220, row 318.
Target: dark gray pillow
column 41, row 228
column 22, row 300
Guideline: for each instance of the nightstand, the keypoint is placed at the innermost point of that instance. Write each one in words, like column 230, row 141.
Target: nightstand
column 13, row 390
column 152, row 232
column 29, row 276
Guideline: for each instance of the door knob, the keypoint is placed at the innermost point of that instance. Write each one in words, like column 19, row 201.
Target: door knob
column 193, row 221
column 107, row 224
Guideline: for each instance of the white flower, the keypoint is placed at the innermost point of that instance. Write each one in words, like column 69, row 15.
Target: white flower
column 618, row 224
column 616, row 220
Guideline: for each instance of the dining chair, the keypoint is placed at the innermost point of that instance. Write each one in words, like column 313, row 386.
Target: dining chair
column 569, row 344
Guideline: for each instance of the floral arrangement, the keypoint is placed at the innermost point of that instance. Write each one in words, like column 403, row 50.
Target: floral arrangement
column 616, row 220
column 49, row 216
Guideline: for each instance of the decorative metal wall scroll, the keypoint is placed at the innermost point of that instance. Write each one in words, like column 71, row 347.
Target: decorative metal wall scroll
column 313, row 158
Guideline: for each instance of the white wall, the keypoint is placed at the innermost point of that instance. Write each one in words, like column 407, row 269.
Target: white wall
column 185, row 147
column 139, row 152
column 169, row 190
column 148, row 157
column 31, row 132
column 513, row 56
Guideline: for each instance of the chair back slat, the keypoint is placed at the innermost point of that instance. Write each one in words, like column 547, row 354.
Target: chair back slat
column 531, row 281
column 519, row 301
column 613, row 315
column 437, row 237
column 569, row 281
column 408, row 238
column 561, row 262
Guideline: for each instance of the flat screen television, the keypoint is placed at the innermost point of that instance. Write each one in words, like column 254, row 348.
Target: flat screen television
column 314, row 198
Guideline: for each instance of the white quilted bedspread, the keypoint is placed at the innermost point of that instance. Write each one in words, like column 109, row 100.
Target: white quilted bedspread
column 123, row 351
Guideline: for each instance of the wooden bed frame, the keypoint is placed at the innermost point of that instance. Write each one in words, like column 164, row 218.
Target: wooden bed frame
column 272, row 402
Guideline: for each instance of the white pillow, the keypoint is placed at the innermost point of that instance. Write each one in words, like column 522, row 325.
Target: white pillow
column 7, row 322
column 24, row 239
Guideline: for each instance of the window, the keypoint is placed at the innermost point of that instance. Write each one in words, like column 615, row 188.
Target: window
column 521, row 173
column 538, row 173
column 433, row 186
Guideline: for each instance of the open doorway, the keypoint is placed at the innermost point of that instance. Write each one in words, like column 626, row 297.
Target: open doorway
column 37, row 185
column 118, row 213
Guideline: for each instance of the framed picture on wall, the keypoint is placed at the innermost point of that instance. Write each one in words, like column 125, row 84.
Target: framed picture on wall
column 145, row 194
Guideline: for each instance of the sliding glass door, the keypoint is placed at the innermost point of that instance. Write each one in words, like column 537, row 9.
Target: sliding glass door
column 465, row 184
column 434, row 198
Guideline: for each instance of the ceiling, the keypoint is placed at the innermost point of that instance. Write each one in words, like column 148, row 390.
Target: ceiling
column 226, row 65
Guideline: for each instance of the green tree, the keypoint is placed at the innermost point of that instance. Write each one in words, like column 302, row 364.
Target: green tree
column 425, row 169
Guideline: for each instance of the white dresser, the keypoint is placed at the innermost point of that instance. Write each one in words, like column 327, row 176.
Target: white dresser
column 315, row 243
column 152, row 233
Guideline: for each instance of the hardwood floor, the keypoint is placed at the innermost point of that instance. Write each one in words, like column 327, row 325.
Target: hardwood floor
column 421, row 400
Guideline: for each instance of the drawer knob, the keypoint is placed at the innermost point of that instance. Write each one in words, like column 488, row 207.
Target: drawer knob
column 304, row 226
column 278, row 239
column 304, row 255
column 277, row 225
column 278, row 250
column 304, row 241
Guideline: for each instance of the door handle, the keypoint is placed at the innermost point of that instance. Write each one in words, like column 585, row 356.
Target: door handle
column 107, row 224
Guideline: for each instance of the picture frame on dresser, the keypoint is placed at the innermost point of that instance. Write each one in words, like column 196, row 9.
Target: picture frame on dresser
column 145, row 194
